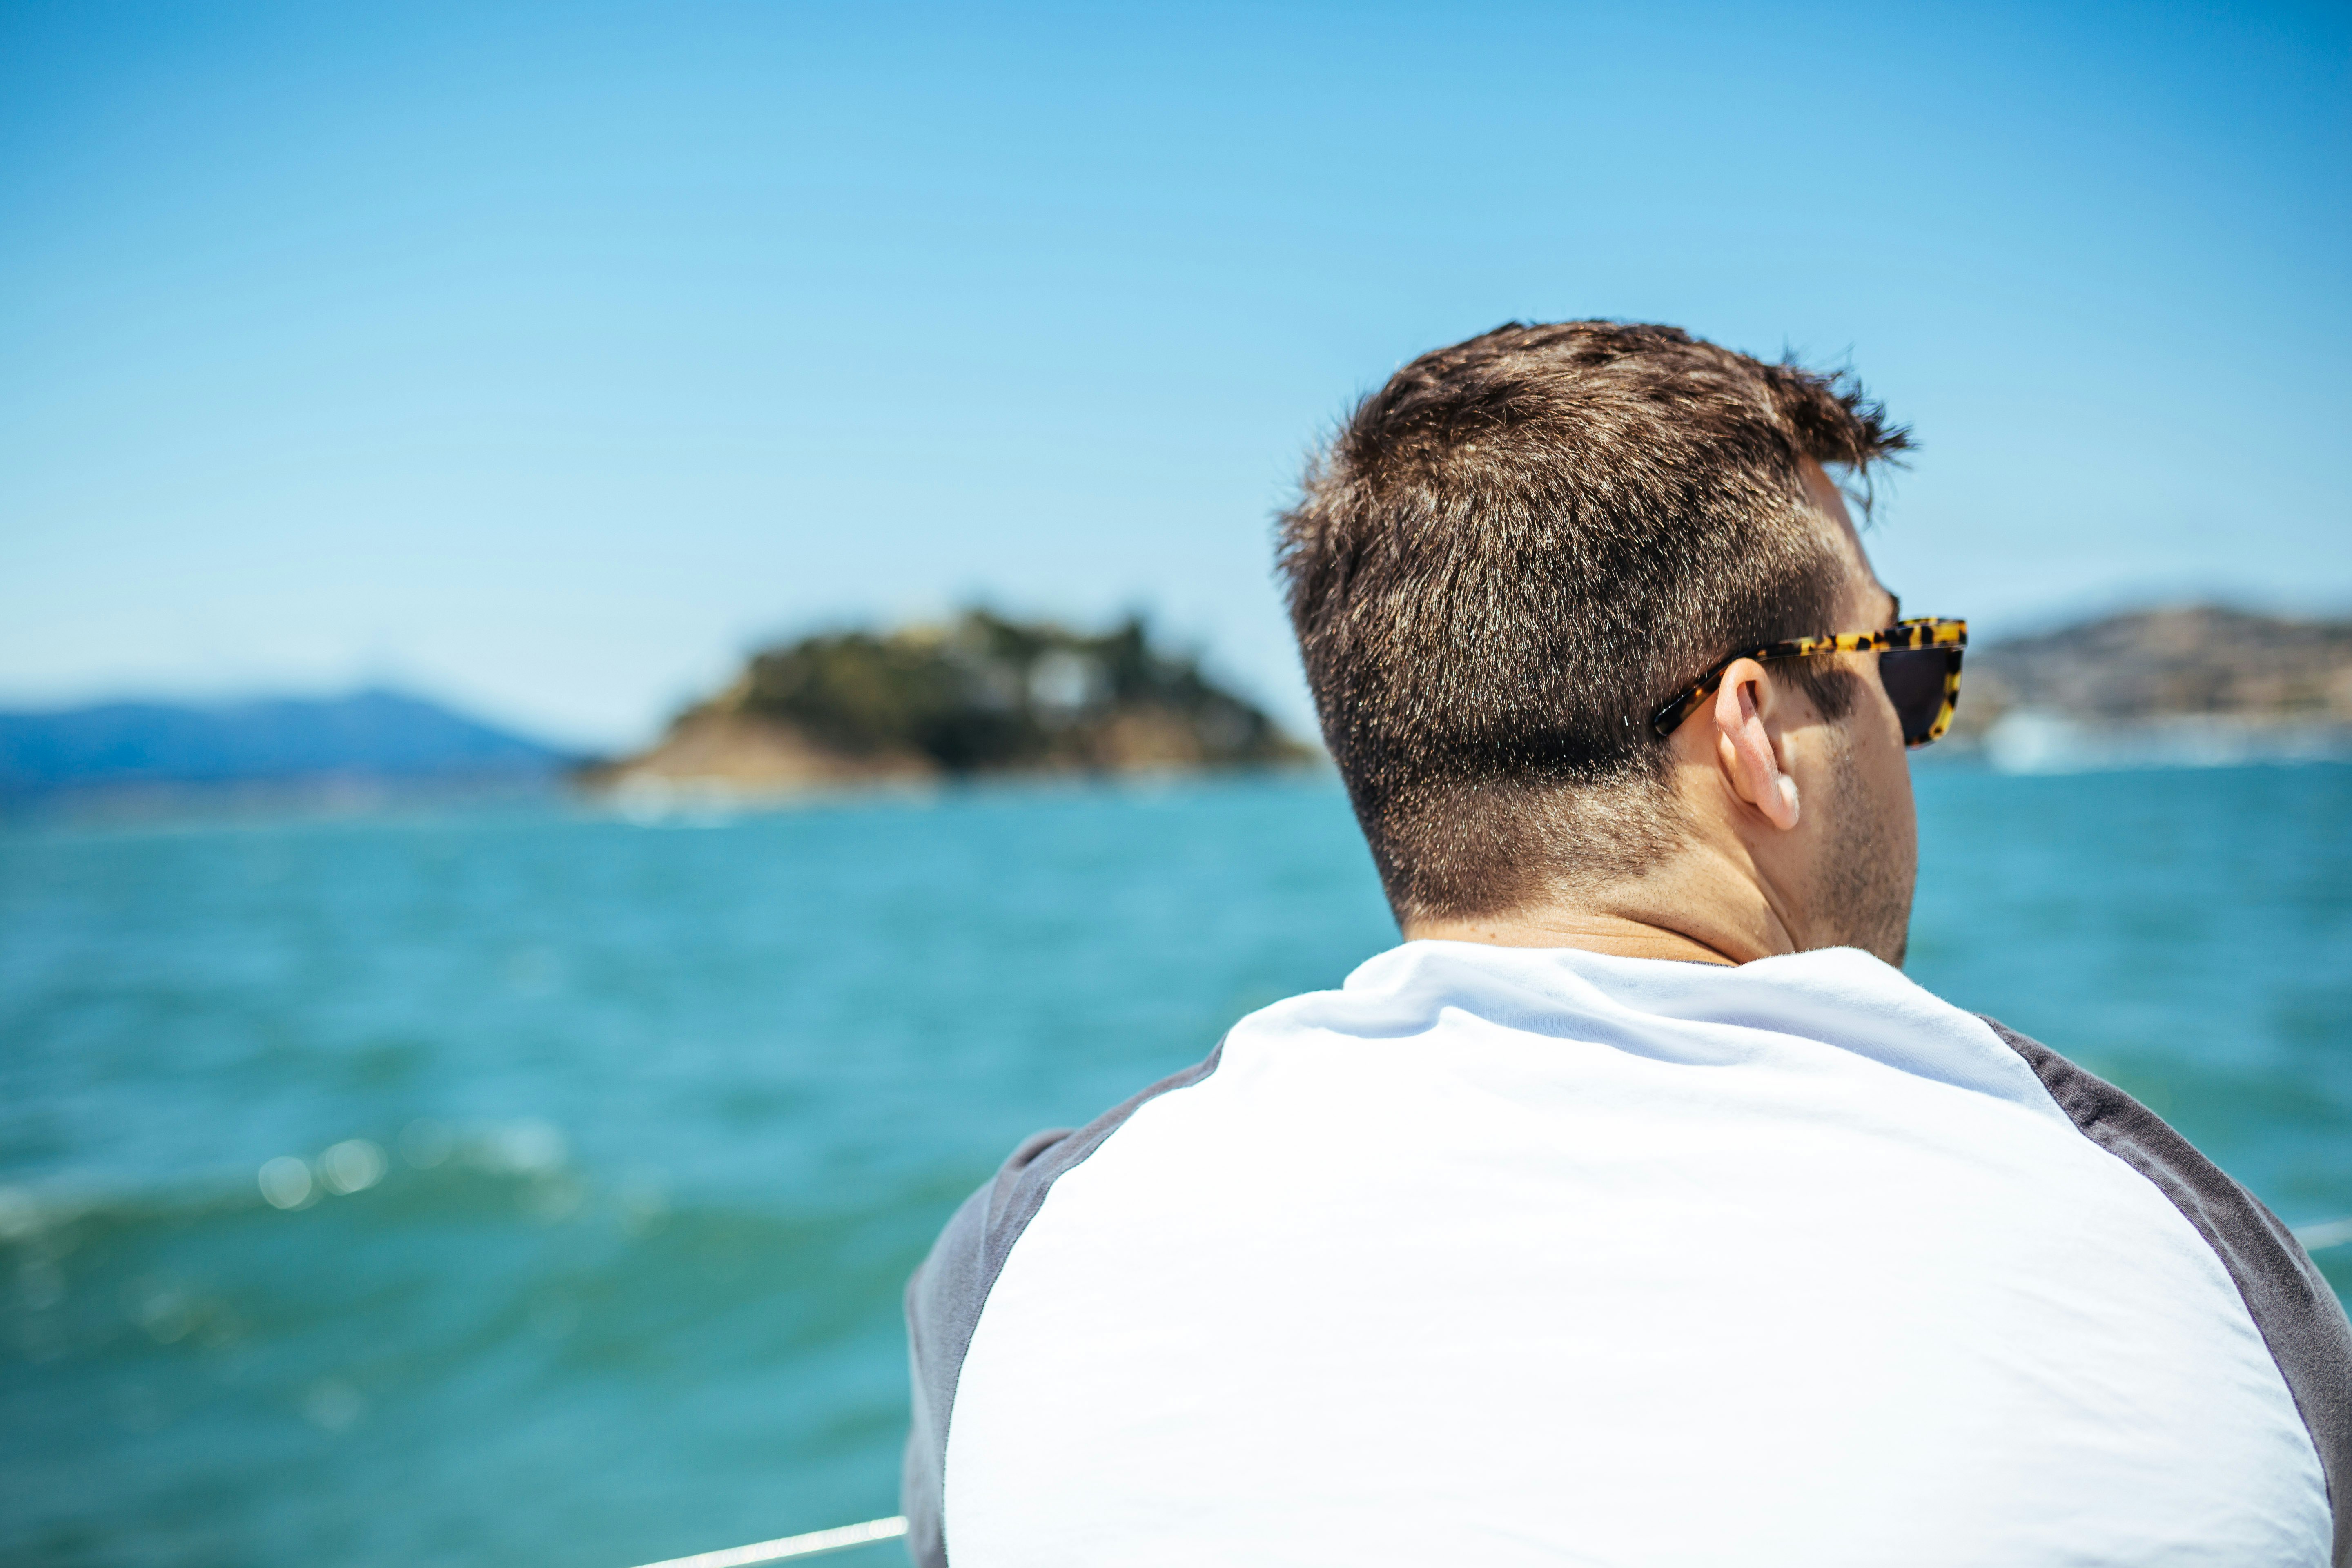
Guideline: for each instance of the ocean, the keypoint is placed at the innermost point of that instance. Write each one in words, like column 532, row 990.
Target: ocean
column 536, row 1186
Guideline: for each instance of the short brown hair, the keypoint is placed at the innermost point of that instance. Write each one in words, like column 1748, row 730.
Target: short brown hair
column 1510, row 554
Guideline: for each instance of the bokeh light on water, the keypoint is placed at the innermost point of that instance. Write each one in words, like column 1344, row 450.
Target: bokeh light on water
column 539, row 1188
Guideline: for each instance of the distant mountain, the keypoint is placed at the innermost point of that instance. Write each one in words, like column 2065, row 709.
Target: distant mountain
column 2191, row 685
column 2198, row 659
column 979, row 695
column 373, row 737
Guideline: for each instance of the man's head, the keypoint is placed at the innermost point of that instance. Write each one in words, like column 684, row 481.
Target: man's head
column 1514, row 552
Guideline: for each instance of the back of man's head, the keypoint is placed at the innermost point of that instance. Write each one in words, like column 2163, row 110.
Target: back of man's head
column 1514, row 551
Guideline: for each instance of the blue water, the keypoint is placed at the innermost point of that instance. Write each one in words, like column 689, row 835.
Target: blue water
column 670, row 1112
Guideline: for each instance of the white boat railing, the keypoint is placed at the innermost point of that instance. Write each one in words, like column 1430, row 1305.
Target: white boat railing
column 2328, row 1233
column 787, row 1546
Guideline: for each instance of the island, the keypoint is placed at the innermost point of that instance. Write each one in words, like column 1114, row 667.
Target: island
column 979, row 694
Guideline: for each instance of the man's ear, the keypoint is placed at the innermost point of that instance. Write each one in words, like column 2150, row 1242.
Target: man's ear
column 1752, row 764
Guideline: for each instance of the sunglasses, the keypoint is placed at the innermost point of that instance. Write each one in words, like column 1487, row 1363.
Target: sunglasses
column 1918, row 663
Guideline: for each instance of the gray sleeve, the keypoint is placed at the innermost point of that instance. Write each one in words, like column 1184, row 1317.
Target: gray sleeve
column 944, row 1298
column 2292, row 1304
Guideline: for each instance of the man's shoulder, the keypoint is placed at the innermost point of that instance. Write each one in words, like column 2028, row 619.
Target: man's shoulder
column 993, row 1218
column 947, row 1293
column 2292, row 1304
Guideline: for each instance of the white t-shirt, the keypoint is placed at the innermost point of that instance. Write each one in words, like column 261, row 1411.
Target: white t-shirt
column 1507, row 1256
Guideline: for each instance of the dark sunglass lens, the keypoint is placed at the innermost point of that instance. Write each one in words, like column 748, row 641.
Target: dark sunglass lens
column 1913, row 678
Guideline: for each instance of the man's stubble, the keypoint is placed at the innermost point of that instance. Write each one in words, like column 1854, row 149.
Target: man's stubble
column 1868, row 866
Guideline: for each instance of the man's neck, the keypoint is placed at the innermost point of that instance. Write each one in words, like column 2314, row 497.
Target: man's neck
column 1611, row 934
column 1700, row 908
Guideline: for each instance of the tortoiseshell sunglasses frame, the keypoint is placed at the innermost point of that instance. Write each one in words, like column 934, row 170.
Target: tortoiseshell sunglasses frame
column 1927, row 632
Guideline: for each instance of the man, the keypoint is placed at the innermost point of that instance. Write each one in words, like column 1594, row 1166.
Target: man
column 1637, row 1209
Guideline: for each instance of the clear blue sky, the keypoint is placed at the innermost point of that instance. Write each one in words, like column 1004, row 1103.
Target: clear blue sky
column 544, row 358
